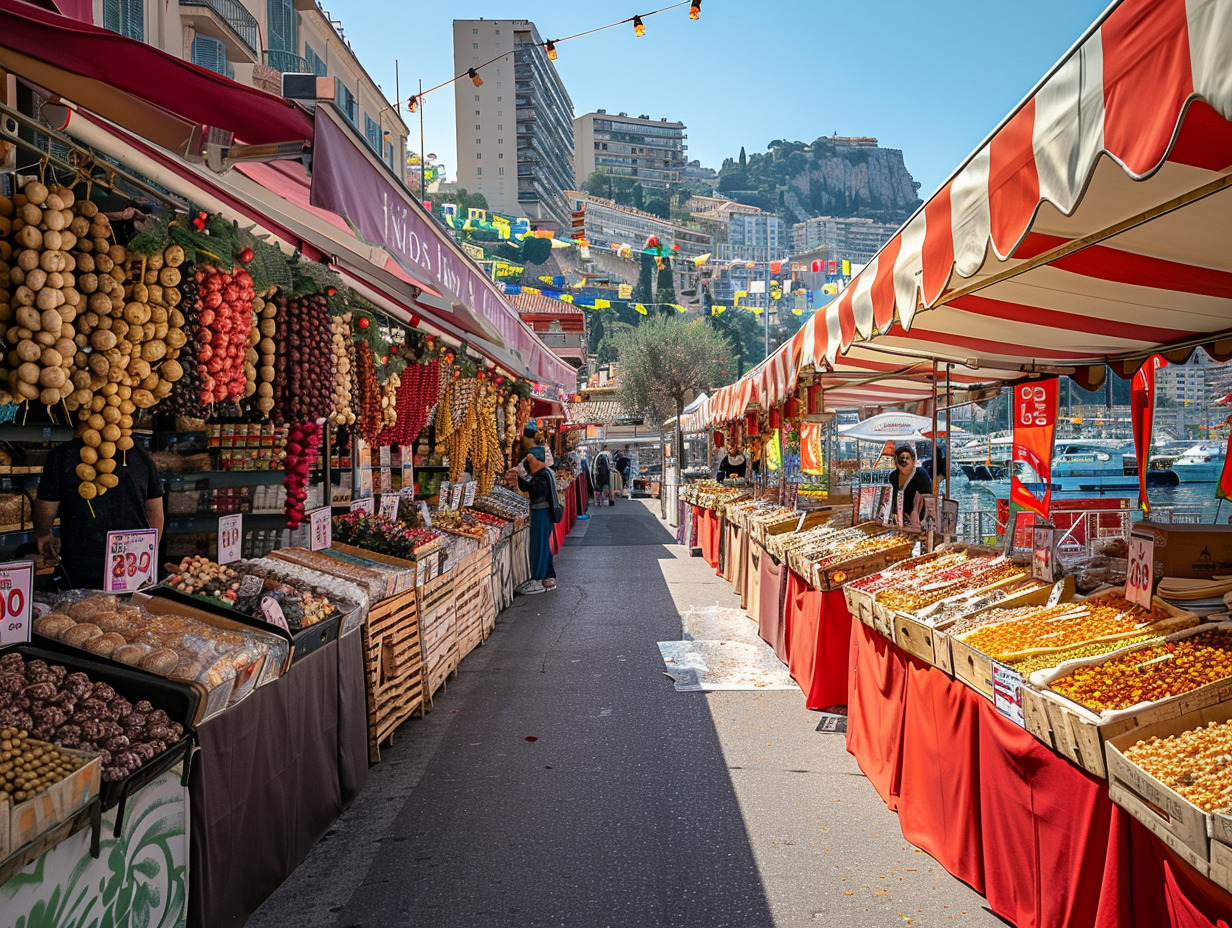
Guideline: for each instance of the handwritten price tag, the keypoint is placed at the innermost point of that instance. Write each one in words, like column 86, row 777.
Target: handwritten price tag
column 469, row 497
column 320, row 525
column 1043, row 553
column 16, row 584
column 1140, row 572
column 230, row 533
column 132, row 560
column 389, row 506
column 455, row 496
column 367, row 504
column 408, row 466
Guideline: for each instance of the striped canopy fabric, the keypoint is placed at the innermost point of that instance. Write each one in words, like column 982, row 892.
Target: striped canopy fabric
column 1093, row 226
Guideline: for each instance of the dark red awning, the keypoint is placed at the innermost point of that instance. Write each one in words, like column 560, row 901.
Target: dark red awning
column 136, row 85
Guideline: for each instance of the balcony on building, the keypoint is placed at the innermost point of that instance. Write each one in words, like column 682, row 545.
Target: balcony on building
column 286, row 62
column 228, row 22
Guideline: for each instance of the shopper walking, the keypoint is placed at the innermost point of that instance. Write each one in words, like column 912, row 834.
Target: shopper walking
column 540, row 484
column 624, row 467
column 603, row 477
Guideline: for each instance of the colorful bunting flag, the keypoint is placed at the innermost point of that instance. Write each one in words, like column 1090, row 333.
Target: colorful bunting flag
column 603, row 304
column 640, row 308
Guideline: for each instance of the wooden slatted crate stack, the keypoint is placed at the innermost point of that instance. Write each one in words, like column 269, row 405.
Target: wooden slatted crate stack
column 393, row 668
column 438, row 621
column 476, row 610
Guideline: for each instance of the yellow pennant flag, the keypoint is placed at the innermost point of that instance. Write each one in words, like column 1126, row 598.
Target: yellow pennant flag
column 566, row 297
column 798, row 312
column 736, row 297
column 701, row 259
column 678, row 307
column 640, row 308
column 846, row 268
column 717, row 310
column 531, row 290
column 755, row 310
column 603, row 304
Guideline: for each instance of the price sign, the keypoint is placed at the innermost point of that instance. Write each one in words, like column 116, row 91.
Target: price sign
column 16, row 585
column 800, row 523
column 230, row 533
column 1058, row 590
column 1044, row 560
column 320, row 526
column 866, row 509
column 363, row 468
column 931, row 519
column 407, row 453
column 949, row 517
column 367, row 504
column 898, row 514
column 132, row 560
column 385, row 455
column 1007, row 693
column 442, row 495
column 389, row 505
column 424, row 515
column 455, row 496
column 1140, row 573
column 469, row 497
column 272, row 610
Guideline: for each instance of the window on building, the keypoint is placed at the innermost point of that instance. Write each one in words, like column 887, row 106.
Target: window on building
column 389, row 155
column 500, row 141
column 210, row 53
column 346, row 101
column 477, row 127
column 474, row 45
column 499, row 99
column 315, row 63
column 500, row 155
column 372, row 131
column 476, row 99
column 478, row 156
column 479, row 172
column 478, row 141
column 500, row 171
column 475, row 31
column 476, row 112
column 126, row 17
column 283, row 27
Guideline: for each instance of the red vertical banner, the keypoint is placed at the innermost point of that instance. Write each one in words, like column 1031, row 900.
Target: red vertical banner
column 810, row 448
column 1142, row 416
column 1035, row 423
column 1223, row 489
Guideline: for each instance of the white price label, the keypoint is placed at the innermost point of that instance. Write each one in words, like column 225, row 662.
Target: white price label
column 407, row 453
column 800, row 523
column 320, row 524
column 455, row 496
column 442, row 498
column 16, row 586
column 469, row 497
column 424, row 515
column 132, row 560
column 389, row 506
column 386, row 483
column 1058, row 590
column 1043, row 553
column 230, row 535
column 1007, row 693
column 367, row 504
column 1140, row 570
column 385, row 455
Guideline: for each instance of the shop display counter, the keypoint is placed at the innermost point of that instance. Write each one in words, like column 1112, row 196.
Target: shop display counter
column 439, row 629
column 393, row 668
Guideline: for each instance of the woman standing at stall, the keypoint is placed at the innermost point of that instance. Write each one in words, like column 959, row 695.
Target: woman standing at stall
column 540, row 484
column 908, row 484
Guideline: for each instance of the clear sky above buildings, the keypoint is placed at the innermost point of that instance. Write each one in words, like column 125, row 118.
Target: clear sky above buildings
column 931, row 78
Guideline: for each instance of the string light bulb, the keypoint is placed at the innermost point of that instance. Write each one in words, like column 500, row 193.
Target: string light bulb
column 474, row 76
column 695, row 9
column 551, row 49
column 412, row 104
column 638, row 29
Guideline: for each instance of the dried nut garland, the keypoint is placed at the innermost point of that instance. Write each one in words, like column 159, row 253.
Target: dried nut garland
column 389, row 401
column 185, row 398
column 486, row 454
column 456, row 424
column 304, row 365
column 38, row 316
column 1196, row 763
column 340, row 342
column 368, row 420
column 223, row 326
column 266, row 331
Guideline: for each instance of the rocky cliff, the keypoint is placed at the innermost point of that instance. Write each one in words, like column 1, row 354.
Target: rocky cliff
column 829, row 177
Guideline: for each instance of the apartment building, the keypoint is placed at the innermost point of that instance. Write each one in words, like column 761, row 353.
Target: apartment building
column 753, row 237
column 255, row 42
column 853, row 238
column 650, row 150
column 515, row 131
column 608, row 223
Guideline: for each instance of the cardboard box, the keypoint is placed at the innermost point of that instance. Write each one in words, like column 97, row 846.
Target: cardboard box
column 1189, row 551
column 23, row 822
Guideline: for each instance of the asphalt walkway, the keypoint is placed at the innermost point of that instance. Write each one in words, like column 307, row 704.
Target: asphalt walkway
column 562, row 781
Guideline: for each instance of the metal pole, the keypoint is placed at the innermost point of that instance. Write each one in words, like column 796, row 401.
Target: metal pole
column 949, row 398
column 767, row 297
column 934, row 490
column 423, row 155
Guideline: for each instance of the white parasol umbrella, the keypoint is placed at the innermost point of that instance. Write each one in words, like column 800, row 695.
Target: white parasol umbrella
column 894, row 426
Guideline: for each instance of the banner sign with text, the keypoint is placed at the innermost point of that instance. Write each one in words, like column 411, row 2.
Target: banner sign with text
column 1035, row 423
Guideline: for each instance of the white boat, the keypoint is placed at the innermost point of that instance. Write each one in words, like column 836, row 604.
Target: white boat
column 1090, row 467
column 1202, row 463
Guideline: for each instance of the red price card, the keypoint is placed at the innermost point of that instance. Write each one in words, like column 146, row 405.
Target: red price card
column 132, row 560
column 1140, row 571
column 230, row 534
column 16, row 585
column 320, row 525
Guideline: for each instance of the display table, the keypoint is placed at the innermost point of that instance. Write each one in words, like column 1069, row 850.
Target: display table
column 814, row 641
column 1001, row 811
column 708, row 535
column 751, row 601
column 769, row 602
column 138, row 878
column 562, row 528
column 272, row 775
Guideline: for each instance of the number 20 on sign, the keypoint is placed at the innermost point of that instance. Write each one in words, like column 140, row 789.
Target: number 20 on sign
column 1140, row 571
column 16, row 584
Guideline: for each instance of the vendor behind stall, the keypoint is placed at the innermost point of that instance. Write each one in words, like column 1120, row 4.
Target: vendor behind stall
column 734, row 464
column 908, row 484
column 136, row 502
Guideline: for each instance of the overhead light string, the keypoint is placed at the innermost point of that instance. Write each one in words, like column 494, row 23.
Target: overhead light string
column 549, row 46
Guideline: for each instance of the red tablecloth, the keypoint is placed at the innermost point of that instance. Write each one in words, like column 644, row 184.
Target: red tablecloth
column 708, row 535
column 562, row 528
column 1035, row 833
column 769, row 598
column 816, row 635
column 752, row 582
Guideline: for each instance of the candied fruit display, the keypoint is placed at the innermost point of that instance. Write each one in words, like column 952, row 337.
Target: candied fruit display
column 1195, row 763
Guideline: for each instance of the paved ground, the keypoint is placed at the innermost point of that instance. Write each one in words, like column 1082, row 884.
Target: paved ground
column 562, row 781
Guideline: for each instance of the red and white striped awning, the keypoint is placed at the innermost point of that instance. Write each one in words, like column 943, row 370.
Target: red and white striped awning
column 1094, row 226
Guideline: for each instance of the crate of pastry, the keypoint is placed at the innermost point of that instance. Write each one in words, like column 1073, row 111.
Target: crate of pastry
column 226, row 657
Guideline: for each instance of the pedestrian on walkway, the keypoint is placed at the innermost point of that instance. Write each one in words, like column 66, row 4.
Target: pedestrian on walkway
column 603, row 477
column 624, row 467
column 539, row 483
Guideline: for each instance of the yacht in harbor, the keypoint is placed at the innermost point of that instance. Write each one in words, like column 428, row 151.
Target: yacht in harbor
column 1080, row 467
column 1201, row 463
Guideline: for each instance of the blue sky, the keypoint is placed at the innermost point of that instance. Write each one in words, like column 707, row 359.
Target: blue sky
column 932, row 78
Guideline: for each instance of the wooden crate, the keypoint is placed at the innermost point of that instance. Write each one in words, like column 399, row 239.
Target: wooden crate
column 1221, row 865
column 1035, row 711
column 1163, row 810
column 438, row 624
column 473, row 600
column 393, row 668
column 971, row 666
